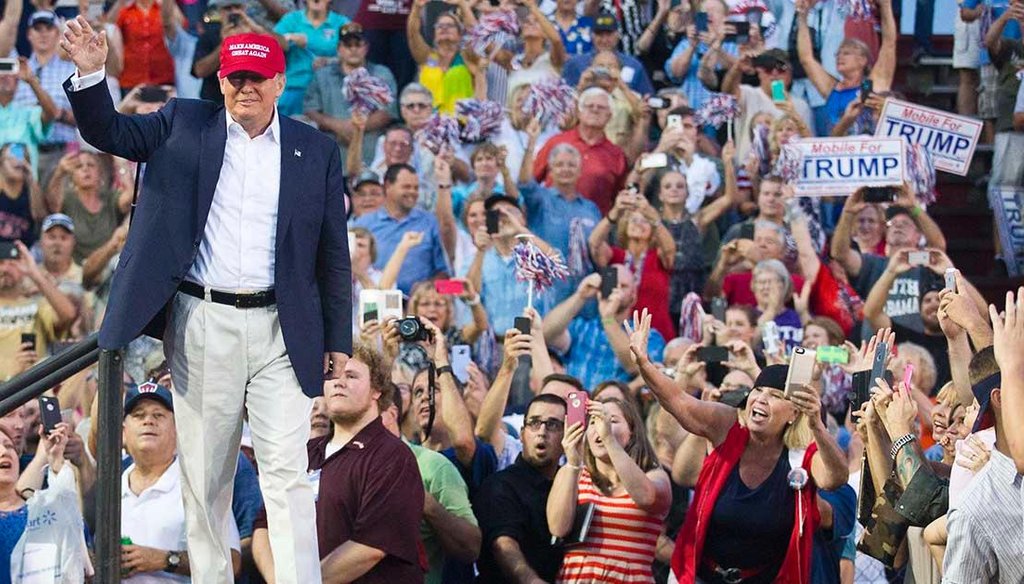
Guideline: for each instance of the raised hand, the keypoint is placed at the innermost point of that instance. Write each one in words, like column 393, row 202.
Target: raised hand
column 639, row 333
column 86, row 48
column 1008, row 333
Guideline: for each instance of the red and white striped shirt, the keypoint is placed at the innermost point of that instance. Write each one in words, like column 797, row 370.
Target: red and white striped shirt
column 620, row 544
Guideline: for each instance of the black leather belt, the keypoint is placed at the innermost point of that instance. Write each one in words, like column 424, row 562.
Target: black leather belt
column 252, row 300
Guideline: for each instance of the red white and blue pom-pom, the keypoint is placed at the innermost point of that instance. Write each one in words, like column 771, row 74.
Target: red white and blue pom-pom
column 920, row 173
column 719, row 109
column 533, row 266
column 366, row 93
column 790, row 163
column 492, row 32
column 856, row 9
column 551, row 101
column 691, row 325
column 478, row 120
column 768, row 22
column 439, row 133
column 579, row 253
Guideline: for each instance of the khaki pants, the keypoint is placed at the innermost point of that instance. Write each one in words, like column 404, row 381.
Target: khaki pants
column 225, row 360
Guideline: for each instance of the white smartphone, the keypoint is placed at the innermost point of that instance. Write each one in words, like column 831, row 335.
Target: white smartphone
column 673, row 121
column 626, row 74
column 9, row 66
column 770, row 337
column 918, row 258
column 379, row 305
column 460, row 362
column 951, row 279
column 653, row 160
column 801, row 369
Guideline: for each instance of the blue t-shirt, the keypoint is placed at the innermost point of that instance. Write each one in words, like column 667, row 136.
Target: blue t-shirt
column 321, row 41
column 829, row 546
column 485, row 463
column 12, row 526
column 577, row 38
column 1010, row 31
column 835, row 105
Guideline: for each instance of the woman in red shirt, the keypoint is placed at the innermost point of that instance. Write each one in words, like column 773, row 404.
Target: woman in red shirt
column 646, row 247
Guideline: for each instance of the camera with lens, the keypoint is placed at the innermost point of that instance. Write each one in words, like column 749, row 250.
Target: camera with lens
column 411, row 330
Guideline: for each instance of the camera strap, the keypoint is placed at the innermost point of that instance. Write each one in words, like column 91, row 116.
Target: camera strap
column 431, row 376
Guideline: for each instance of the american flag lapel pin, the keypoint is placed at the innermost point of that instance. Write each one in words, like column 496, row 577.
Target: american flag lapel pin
column 298, row 153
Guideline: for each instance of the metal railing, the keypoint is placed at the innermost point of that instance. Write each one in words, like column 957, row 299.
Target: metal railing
column 54, row 370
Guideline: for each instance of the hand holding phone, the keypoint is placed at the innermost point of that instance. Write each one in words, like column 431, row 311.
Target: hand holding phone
column 49, row 412
column 801, row 369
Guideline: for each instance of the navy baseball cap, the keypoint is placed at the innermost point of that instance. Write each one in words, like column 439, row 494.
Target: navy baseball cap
column 44, row 17
column 148, row 390
column 605, row 22
column 983, row 393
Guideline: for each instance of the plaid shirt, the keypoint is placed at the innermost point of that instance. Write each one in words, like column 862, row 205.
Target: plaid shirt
column 590, row 357
column 51, row 77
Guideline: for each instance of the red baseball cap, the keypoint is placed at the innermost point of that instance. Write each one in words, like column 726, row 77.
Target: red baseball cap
column 257, row 53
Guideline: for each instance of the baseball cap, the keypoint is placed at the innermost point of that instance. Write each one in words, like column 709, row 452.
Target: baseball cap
column 58, row 220
column 351, row 30
column 253, row 52
column 773, row 377
column 148, row 390
column 367, row 176
column 605, row 22
column 771, row 58
column 44, row 17
column 983, row 393
column 224, row 3
column 493, row 200
column 893, row 211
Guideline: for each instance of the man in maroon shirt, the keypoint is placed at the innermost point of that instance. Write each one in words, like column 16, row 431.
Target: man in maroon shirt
column 369, row 491
column 604, row 164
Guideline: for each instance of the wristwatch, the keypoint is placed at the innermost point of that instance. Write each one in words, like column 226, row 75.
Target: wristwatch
column 173, row 562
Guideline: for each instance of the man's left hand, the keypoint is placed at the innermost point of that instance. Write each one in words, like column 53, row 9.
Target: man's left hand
column 136, row 559
column 334, row 364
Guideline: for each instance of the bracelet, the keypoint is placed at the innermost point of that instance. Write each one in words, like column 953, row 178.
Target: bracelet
column 474, row 301
column 447, row 186
column 900, row 443
column 916, row 211
column 608, row 320
column 25, row 497
column 444, row 369
column 610, row 220
column 574, row 467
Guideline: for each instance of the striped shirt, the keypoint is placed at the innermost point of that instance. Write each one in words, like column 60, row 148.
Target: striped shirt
column 620, row 544
column 986, row 533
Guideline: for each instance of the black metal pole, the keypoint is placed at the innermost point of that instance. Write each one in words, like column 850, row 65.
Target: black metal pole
column 53, row 376
column 108, row 459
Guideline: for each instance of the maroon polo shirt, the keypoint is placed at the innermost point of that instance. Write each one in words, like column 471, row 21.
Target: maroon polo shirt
column 604, row 167
column 371, row 492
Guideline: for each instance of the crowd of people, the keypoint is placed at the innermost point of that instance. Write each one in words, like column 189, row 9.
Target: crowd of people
column 632, row 422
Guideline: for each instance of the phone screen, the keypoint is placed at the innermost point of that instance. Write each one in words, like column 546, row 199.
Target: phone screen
column 718, row 307
column 523, row 324
column 701, row 20
column 493, row 221
column 609, row 281
column 778, row 90
column 712, row 354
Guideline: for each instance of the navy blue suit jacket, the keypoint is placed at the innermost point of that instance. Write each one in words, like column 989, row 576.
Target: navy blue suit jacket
column 183, row 148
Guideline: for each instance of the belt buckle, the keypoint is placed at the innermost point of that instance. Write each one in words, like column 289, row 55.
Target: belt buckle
column 730, row 575
column 240, row 300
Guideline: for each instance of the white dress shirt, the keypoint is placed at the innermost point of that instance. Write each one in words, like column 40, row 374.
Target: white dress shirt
column 237, row 250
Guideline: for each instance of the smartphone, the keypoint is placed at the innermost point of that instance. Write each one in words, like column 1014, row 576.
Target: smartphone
column 673, row 121
column 718, row 307
column 918, row 258
column 234, row 19
column 801, row 369
column 493, row 221
column 770, row 337
column 712, row 354
column 878, row 369
column 908, row 375
column 609, row 281
column 735, row 398
column 8, row 251
column 152, row 94
column 450, row 287
column 951, row 279
column 653, row 160
column 778, row 90
column 626, row 74
column 49, row 412
column 576, row 410
column 460, row 362
column 701, row 20
column 866, row 87
column 28, row 338
column 833, row 355
column 880, row 194
column 523, row 324
column 17, row 150
column 747, row 231
column 657, row 102
column 860, row 390
column 601, row 73
column 9, row 66
column 742, row 35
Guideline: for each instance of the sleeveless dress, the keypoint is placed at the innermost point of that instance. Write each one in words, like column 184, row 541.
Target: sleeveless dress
column 620, row 544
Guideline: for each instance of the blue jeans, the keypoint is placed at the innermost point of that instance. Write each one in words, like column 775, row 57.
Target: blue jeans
column 924, row 19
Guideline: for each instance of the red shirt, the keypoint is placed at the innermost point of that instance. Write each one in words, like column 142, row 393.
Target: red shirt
column 383, row 14
column 736, row 287
column 146, row 59
column 652, row 289
column 604, row 167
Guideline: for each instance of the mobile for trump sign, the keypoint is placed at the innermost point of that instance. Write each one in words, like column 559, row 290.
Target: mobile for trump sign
column 950, row 138
column 840, row 166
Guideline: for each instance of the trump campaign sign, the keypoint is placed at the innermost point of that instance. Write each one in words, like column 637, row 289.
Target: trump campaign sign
column 950, row 138
column 840, row 166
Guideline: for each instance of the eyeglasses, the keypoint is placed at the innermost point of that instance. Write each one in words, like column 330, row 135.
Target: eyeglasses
column 417, row 105
column 551, row 424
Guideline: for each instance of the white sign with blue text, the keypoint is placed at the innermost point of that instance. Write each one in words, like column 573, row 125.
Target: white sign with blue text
column 840, row 166
column 950, row 138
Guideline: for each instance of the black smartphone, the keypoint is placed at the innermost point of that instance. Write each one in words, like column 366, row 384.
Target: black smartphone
column 609, row 281
column 28, row 338
column 880, row 194
column 701, row 20
column 493, row 219
column 735, row 398
column 8, row 251
column 718, row 307
column 866, row 87
column 742, row 35
column 878, row 361
column 49, row 412
column 523, row 324
column 860, row 390
column 152, row 94
column 747, row 231
column 234, row 19
column 713, row 354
